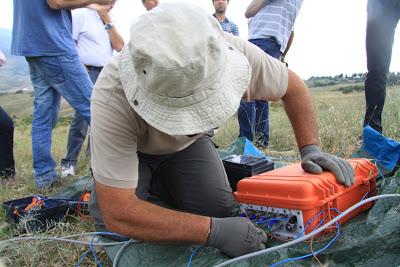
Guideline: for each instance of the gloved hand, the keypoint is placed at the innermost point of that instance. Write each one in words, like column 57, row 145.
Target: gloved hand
column 314, row 161
column 236, row 236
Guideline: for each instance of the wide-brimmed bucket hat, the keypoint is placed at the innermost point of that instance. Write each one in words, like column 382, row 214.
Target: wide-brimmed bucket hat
column 178, row 72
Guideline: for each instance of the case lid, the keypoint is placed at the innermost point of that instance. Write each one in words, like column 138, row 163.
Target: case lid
column 293, row 186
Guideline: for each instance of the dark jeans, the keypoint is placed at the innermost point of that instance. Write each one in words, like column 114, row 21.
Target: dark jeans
column 7, row 164
column 79, row 127
column 191, row 180
column 253, row 119
column 382, row 19
column 253, row 116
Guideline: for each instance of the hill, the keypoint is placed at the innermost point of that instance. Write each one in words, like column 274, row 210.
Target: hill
column 14, row 75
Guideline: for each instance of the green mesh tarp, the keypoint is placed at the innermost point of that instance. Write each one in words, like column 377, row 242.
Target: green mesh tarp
column 370, row 239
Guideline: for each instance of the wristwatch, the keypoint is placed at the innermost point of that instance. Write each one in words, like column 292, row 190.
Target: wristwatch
column 108, row 26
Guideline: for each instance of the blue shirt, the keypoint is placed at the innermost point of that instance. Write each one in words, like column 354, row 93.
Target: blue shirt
column 229, row 26
column 41, row 31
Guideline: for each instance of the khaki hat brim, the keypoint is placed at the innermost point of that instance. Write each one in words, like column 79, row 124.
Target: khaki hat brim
column 194, row 119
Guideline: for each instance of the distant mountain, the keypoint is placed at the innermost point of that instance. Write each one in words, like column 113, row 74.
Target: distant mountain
column 14, row 75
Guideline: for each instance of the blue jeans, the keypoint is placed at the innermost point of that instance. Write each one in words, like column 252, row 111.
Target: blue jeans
column 253, row 116
column 53, row 77
column 78, row 130
column 382, row 19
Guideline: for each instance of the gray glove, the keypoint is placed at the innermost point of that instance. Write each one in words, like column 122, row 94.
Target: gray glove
column 236, row 236
column 314, row 161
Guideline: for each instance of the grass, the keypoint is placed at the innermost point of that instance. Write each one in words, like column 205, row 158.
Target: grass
column 340, row 119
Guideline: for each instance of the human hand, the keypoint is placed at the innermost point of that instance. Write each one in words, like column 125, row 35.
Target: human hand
column 99, row 7
column 236, row 236
column 314, row 161
column 102, row 5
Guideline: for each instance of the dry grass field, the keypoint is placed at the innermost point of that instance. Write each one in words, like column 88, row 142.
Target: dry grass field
column 340, row 125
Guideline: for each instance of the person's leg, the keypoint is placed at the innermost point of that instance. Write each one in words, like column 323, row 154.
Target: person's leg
column 382, row 20
column 46, row 108
column 7, row 164
column 262, row 122
column 270, row 47
column 72, row 83
column 246, row 119
column 93, row 74
column 76, row 138
column 193, row 180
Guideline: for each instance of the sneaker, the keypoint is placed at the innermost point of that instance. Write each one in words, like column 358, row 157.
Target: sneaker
column 67, row 170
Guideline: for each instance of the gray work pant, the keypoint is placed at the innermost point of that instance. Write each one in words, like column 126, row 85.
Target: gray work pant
column 192, row 180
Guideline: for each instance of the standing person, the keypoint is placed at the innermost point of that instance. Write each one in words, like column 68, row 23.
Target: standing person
column 151, row 109
column 271, row 29
column 42, row 32
column 382, row 19
column 150, row 4
column 7, row 163
column 220, row 7
column 96, row 37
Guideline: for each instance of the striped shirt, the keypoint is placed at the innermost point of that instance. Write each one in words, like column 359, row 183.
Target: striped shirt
column 276, row 20
column 229, row 26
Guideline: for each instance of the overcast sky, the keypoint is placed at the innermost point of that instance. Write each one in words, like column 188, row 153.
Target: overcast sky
column 329, row 34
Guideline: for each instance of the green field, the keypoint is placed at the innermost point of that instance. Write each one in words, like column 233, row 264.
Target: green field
column 340, row 125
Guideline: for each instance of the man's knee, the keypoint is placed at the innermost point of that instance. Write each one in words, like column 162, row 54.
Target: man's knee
column 219, row 205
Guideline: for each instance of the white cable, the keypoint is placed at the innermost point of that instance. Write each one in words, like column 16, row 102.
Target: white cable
column 65, row 239
column 4, row 242
column 293, row 242
column 115, row 263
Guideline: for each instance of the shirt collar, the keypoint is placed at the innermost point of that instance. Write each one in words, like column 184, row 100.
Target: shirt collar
column 224, row 21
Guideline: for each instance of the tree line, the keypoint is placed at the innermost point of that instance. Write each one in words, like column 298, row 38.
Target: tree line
column 321, row 81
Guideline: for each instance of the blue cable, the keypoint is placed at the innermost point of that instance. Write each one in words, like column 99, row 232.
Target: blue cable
column 96, row 261
column 272, row 219
column 193, row 254
column 335, row 209
column 312, row 219
column 81, row 258
column 383, row 161
column 379, row 171
column 311, row 254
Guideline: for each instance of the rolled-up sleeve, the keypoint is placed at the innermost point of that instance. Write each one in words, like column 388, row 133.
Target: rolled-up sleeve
column 269, row 79
column 113, row 148
column 114, row 132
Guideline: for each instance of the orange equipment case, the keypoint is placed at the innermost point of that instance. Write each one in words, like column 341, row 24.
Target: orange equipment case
column 294, row 202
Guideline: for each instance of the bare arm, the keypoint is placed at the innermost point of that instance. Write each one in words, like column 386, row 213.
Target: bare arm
column 301, row 113
column 72, row 4
column 148, row 222
column 116, row 40
column 254, row 7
